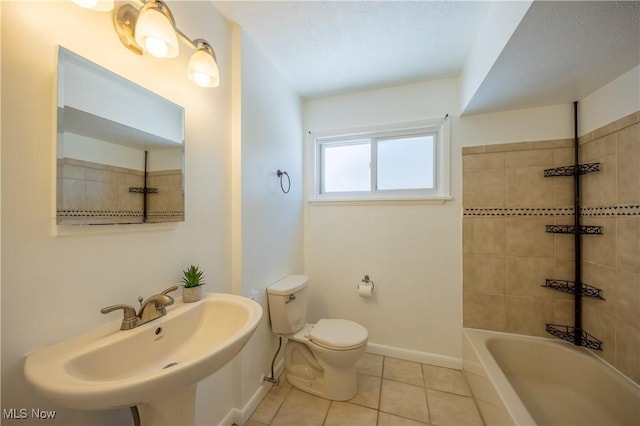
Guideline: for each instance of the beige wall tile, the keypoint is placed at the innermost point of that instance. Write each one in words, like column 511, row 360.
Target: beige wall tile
column 484, row 311
column 604, row 278
column 563, row 312
column 506, row 147
column 628, row 243
column 564, row 269
column 628, row 342
column 600, row 248
column 484, row 161
column 525, row 276
column 610, row 261
column 484, row 235
column 472, row 150
column 601, row 325
column 599, row 188
column 73, row 194
column 529, row 315
column 564, row 247
column 526, row 236
column 527, row 187
column 598, row 149
column 484, row 273
column 484, row 188
column 627, row 300
column 543, row 158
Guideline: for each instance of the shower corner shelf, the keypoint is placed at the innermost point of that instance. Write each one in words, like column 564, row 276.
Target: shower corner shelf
column 571, row 170
column 570, row 288
column 568, row 333
column 571, row 229
column 143, row 190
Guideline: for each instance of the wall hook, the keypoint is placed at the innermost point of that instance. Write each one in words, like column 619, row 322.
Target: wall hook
column 281, row 173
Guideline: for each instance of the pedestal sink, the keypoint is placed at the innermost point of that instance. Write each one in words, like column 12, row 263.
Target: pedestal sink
column 154, row 367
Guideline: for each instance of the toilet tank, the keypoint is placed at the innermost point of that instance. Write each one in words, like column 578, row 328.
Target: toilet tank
column 288, row 304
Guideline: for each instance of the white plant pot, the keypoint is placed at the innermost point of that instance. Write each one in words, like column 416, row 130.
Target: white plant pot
column 191, row 294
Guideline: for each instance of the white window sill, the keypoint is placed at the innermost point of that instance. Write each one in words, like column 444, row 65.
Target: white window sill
column 398, row 200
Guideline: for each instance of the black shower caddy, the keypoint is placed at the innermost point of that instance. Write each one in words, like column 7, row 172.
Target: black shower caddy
column 575, row 334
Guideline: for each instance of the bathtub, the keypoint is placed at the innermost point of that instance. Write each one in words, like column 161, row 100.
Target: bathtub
column 523, row 380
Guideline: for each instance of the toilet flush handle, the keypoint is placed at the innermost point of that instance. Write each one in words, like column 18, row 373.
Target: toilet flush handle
column 291, row 298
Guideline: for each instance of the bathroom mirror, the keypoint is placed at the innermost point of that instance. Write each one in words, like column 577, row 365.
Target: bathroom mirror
column 120, row 149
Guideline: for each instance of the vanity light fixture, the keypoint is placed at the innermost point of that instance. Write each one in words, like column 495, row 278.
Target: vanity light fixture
column 203, row 69
column 152, row 29
column 155, row 30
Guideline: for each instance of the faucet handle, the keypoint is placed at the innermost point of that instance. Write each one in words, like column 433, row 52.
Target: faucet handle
column 169, row 290
column 130, row 319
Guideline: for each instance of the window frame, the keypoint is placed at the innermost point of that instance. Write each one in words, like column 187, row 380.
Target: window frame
column 439, row 127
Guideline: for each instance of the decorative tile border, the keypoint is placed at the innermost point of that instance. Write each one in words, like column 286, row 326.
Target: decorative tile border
column 99, row 213
column 612, row 211
column 500, row 212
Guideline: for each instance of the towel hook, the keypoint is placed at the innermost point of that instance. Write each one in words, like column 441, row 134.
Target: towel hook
column 280, row 173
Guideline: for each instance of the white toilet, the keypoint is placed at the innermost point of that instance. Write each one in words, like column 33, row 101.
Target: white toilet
column 320, row 358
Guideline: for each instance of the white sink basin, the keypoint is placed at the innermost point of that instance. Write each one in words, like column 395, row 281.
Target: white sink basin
column 109, row 368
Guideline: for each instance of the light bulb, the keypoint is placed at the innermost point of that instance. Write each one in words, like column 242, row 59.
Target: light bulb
column 156, row 47
column 155, row 33
column 97, row 5
column 203, row 70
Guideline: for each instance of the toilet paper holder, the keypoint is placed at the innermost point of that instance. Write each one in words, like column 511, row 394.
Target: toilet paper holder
column 366, row 280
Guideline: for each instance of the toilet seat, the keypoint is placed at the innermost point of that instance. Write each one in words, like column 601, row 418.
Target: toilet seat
column 338, row 334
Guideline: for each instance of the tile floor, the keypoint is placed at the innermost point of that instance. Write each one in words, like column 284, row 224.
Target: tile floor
column 392, row 392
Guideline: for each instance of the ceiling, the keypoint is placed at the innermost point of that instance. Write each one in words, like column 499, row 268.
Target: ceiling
column 561, row 50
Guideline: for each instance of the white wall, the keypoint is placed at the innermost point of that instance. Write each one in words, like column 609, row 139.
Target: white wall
column 54, row 286
column 412, row 251
column 614, row 100
column 269, row 221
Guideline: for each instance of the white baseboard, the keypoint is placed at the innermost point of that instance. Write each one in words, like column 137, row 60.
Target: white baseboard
column 240, row 416
column 415, row 356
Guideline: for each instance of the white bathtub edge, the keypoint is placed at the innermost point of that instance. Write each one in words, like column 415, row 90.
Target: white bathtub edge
column 509, row 398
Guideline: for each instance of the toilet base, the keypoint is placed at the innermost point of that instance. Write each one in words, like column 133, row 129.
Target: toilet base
column 336, row 384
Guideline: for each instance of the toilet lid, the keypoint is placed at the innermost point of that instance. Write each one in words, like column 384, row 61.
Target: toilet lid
column 338, row 333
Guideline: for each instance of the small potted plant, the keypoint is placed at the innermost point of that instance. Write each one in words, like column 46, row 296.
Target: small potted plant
column 192, row 278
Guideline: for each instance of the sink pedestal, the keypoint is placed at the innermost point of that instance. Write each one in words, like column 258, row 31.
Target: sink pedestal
column 176, row 408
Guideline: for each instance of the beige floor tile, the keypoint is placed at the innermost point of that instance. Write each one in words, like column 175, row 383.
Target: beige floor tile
column 272, row 401
column 403, row 371
column 447, row 409
column 445, row 379
column 301, row 409
column 344, row 413
column 368, row 391
column 386, row 419
column 404, row 400
column 370, row 364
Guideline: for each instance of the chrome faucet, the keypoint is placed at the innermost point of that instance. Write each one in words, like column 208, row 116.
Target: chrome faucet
column 153, row 308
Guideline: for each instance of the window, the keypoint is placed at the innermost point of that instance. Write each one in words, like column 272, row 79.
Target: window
column 405, row 162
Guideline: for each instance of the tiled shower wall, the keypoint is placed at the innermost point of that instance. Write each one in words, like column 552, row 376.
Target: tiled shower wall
column 507, row 255
column 97, row 194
